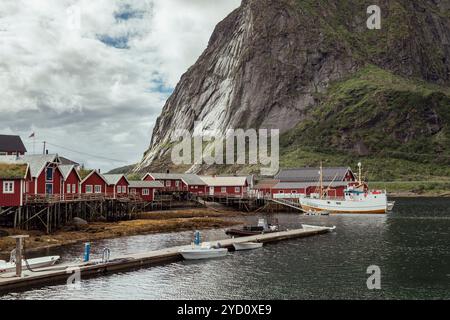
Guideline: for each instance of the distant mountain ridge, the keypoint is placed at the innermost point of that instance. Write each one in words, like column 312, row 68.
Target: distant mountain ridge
column 335, row 89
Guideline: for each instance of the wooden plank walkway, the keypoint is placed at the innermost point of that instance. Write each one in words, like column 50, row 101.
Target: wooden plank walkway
column 60, row 273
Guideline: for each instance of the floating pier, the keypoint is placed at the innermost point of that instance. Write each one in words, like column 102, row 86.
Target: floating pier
column 60, row 273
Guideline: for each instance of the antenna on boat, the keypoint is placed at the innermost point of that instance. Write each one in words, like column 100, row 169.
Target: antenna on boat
column 359, row 172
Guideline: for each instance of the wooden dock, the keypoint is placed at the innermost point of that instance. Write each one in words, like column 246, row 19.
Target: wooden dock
column 60, row 273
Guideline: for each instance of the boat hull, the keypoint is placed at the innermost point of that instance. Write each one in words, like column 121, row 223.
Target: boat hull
column 35, row 263
column 199, row 254
column 247, row 246
column 244, row 233
column 379, row 206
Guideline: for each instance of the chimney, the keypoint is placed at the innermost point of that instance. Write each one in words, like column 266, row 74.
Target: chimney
column 46, row 151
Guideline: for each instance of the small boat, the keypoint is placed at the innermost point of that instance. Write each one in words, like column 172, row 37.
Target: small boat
column 390, row 205
column 35, row 263
column 262, row 227
column 247, row 246
column 197, row 253
column 309, row 227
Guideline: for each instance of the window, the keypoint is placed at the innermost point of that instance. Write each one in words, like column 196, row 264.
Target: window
column 8, row 186
column 177, row 184
column 89, row 189
column 3, row 154
column 124, row 189
column 145, row 192
column 27, row 187
column 133, row 191
column 98, row 189
column 119, row 189
column 237, row 189
column 168, row 184
column 68, row 188
column 223, row 189
column 74, row 189
column 49, row 174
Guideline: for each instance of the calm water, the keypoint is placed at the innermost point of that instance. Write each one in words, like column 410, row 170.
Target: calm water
column 411, row 246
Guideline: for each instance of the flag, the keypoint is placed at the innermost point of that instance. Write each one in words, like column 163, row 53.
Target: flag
column 31, row 135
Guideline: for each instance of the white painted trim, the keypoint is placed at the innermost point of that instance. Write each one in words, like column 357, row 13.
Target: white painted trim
column 9, row 182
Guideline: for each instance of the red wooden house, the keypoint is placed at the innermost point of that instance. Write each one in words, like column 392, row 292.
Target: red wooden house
column 11, row 145
column 117, row 185
column 93, row 183
column 71, row 180
column 178, row 182
column 13, row 180
column 145, row 189
column 46, row 178
column 236, row 186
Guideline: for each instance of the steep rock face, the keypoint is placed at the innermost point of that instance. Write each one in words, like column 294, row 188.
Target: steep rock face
column 269, row 62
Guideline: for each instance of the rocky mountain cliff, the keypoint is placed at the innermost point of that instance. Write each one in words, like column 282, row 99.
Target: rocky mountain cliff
column 300, row 65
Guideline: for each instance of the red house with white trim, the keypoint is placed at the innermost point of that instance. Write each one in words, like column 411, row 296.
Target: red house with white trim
column 93, row 183
column 145, row 189
column 236, row 186
column 117, row 185
column 71, row 180
column 13, row 179
column 178, row 182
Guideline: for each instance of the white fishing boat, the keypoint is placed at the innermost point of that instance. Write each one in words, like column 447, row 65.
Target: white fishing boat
column 357, row 199
column 247, row 246
column 35, row 263
column 203, row 253
column 311, row 227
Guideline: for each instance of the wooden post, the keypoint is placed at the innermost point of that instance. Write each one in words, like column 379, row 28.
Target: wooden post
column 19, row 247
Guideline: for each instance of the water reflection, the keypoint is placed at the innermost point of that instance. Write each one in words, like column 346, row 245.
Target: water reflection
column 410, row 246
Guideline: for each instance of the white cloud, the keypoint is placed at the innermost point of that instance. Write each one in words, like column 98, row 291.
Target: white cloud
column 93, row 82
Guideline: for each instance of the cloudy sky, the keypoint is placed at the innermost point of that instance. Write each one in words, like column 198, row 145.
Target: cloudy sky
column 91, row 76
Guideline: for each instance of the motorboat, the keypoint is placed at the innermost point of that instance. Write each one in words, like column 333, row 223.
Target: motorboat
column 205, row 251
column 247, row 246
column 261, row 228
column 34, row 263
column 311, row 227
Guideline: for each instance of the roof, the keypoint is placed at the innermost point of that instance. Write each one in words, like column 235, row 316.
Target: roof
column 303, row 185
column 66, row 161
column 11, row 144
column 188, row 178
column 13, row 170
column 83, row 173
column 312, row 174
column 224, row 181
column 37, row 162
column 266, row 184
column 66, row 170
column 113, row 179
column 146, row 184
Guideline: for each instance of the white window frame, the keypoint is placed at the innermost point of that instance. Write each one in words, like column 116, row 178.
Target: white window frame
column 145, row 192
column 8, row 187
column 168, row 183
column 119, row 189
column 237, row 189
column 223, row 189
column 97, row 189
column 177, row 184
column 74, row 188
column 89, row 188
column 3, row 153
column 124, row 189
column 69, row 186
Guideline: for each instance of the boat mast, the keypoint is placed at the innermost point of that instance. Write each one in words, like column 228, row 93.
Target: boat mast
column 321, row 180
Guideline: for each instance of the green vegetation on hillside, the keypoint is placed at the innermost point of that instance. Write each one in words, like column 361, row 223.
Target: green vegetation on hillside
column 398, row 127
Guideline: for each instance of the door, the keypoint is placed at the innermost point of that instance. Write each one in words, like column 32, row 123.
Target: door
column 49, row 188
column 211, row 191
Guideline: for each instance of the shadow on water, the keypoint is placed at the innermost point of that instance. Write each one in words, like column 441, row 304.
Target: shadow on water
column 410, row 246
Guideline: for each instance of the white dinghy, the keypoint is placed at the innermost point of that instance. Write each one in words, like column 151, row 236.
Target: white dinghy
column 247, row 246
column 310, row 227
column 35, row 263
column 205, row 251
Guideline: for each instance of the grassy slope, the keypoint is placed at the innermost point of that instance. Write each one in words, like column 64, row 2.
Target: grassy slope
column 403, row 126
